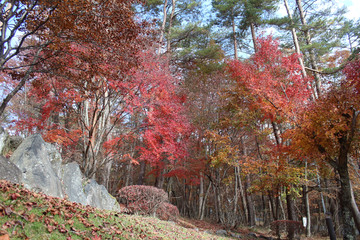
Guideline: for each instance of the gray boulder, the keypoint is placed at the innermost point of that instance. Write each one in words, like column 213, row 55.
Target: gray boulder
column 9, row 171
column 55, row 159
column 99, row 197
column 73, row 183
column 40, row 165
column 32, row 158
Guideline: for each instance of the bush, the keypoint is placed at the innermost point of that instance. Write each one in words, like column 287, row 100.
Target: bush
column 167, row 211
column 292, row 228
column 141, row 199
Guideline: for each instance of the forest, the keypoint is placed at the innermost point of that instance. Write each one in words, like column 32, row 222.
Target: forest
column 243, row 115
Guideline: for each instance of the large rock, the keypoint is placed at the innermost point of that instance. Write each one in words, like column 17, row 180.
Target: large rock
column 41, row 168
column 73, row 183
column 55, row 159
column 98, row 196
column 32, row 157
column 9, row 171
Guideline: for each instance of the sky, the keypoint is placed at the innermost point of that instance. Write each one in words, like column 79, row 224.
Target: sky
column 353, row 7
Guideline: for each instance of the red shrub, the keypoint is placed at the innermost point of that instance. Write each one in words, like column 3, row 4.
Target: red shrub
column 142, row 199
column 167, row 211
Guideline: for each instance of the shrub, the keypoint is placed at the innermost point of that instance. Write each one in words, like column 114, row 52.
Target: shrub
column 141, row 199
column 167, row 211
column 292, row 228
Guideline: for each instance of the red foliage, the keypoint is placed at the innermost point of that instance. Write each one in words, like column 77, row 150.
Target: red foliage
column 166, row 126
column 167, row 211
column 273, row 79
column 352, row 72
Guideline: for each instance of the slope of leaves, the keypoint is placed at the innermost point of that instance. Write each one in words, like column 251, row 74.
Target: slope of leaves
column 29, row 215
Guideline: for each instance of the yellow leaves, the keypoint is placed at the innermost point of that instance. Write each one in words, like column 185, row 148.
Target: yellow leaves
column 224, row 151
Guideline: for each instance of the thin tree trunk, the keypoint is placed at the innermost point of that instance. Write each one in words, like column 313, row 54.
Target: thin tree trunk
column 253, row 35
column 201, row 194
column 168, row 46
column 295, row 40
column 204, row 201
column 307, row 205
column 250, row 203
column 281, row 208
column 234, row 40
column 142, row 173
column 162, row 29
column 355, row 209
column 311, row 51
column 243, row 197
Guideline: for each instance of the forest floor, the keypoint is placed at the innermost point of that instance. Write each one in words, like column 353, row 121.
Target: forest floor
column 29, row 215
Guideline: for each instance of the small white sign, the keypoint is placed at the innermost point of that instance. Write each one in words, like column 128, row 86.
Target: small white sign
column 304, row 220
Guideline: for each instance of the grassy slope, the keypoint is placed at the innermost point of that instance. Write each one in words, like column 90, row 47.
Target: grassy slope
column 28, row 215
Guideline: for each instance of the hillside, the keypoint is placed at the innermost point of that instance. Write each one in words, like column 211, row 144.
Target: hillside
column 28, row 215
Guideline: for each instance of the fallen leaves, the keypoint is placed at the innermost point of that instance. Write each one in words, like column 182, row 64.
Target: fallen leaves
column 4, row 235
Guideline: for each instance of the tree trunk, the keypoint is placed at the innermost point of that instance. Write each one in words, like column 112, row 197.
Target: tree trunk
column 204, row 201
column 311, row 50
column 142, row 173
column 243, row 197
column 201, row 194
column 345, row 202
column 162, row 30
column 297, row 48
column 345, row 190
column 253, row 35
column 307, row 205
column 355, row 209
column 250, row 203
column 168, row 46
column 234, row 40
column 291, row 213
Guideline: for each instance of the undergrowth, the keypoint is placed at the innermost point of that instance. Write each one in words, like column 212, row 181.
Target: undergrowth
column 29, row 215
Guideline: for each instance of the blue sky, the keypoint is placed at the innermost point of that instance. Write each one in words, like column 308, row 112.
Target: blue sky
column 353, row 7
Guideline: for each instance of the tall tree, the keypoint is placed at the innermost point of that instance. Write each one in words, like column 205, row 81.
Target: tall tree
column 329, row 129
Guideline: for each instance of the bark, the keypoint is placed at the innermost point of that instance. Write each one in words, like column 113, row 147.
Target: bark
column 281, row 208
column 291, row 213
column 311, row 50
column 250, row 203
column 253, row 35
column 142, row 173
column 295, row 40
column 162, row 29
column 201, row 194
column 355, row 209
column 345, row 200
column 204, row 201
column 242, row 195
column 272, row 206
column 307, row 210
column 297, row 47
column 168, row 46
column 234, row 40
